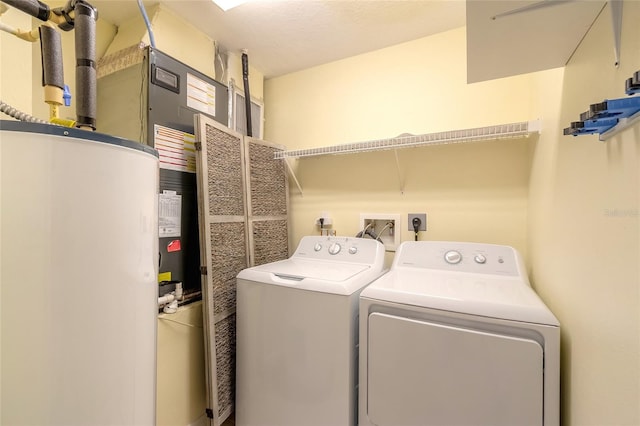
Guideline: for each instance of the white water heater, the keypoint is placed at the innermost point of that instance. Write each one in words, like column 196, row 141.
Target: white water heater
column 78, row 277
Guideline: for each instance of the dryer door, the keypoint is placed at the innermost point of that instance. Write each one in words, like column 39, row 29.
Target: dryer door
column 422, row 373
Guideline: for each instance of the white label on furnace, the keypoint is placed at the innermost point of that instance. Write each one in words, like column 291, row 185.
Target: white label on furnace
column 201, row 95
column 169, row 214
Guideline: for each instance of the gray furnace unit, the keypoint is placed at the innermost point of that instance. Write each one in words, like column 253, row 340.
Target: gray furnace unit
column 147, row 96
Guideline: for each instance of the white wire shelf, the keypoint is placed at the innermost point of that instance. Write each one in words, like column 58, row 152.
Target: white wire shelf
column 502, row 131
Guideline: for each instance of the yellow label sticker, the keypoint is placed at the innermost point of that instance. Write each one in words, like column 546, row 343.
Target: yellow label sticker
column 164, row 276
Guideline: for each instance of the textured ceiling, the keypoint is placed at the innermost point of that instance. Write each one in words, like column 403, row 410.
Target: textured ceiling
column 284, row 36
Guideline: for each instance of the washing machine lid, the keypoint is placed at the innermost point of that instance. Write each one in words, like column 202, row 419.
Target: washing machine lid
column 485, row 295
column 315, row 275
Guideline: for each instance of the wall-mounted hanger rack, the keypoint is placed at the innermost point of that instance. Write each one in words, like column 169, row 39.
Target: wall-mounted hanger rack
column 501, row 131
column 632, row 85
column 610, row 117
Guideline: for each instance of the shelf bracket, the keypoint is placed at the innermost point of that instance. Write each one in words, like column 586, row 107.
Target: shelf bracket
column 399, row 170
column 623, row 123
column 293, row 175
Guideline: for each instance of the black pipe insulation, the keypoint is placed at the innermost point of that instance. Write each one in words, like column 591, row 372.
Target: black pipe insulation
column 247, row 96
column 51, row 54
column 34, row 8
column 86, row 79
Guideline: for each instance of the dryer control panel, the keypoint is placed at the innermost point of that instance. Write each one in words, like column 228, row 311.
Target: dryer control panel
column 461, row 257
column 347, row 249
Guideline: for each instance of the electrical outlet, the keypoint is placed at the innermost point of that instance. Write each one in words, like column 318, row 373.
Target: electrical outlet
column 326, row 221
column 423, row 221
column 384, row 226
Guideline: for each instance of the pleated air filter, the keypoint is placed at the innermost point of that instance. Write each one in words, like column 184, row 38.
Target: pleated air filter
column 270, row 240
column 267, row 202
column 225, row 172
column 242, row 204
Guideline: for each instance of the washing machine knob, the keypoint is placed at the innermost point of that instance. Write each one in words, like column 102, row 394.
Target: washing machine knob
column 353, row 250
column 453, row 257
column 480, row 258
column 334, row 248
column 317, row 247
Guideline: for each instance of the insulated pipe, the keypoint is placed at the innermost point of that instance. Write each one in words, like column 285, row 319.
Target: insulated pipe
column 81, row 16
column 34, row 8
column 247, row 96
column 86, row 80
column 52, row 68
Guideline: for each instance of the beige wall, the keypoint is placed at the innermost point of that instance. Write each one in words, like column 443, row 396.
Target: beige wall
column 181, row 398
column 15, row 73
column 584, row 234
column 173, row 36
column 472, row 192
column 415, row 87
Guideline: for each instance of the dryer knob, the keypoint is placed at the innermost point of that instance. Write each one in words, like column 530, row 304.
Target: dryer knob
column 334, row 248
column 317, row 247
column 453, row 257
column 353, row 250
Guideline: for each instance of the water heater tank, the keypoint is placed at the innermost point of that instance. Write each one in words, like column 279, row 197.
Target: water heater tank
column 78, row 277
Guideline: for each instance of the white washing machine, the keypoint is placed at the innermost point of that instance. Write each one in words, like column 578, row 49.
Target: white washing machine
column 297, row 334
column 454, row 335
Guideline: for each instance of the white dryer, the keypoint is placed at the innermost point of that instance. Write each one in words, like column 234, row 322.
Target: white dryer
column 296, row 334
column 454, row 335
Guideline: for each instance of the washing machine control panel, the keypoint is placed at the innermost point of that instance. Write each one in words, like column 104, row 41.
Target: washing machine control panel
column 461, row 257
column 348, row 249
